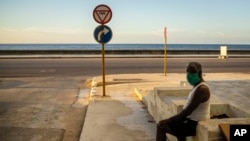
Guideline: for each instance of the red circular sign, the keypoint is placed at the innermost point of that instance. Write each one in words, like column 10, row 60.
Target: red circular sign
column 102, row 14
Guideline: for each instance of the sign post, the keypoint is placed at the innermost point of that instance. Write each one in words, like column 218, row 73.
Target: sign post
column 102, row 34
column 103, row 71
column 165, row 51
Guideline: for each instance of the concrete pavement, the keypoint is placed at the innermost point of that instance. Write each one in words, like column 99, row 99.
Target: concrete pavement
column 42, row 108
column 51, row 108
column 120, row 116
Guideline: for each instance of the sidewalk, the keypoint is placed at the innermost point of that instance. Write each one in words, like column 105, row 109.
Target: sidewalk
column 53, row 108
column 121, row 116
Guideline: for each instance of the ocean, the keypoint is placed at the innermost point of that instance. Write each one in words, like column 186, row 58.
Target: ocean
column 240, row 47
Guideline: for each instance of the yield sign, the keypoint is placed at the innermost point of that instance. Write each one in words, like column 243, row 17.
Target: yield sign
column 102, row 14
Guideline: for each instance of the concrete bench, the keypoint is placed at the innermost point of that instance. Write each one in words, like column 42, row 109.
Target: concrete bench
column 164, row 102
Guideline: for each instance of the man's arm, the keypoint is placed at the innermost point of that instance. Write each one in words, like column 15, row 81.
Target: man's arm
column 201, row 95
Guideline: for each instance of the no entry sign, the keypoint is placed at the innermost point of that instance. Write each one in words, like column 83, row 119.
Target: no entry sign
column 102, row 14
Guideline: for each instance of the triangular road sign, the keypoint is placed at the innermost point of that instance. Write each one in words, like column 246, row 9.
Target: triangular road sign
column 102, row 14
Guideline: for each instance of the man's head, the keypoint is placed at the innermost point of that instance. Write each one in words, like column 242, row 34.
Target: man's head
column 194, row 73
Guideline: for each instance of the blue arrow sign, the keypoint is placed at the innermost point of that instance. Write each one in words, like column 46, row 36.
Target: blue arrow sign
column 102, row 34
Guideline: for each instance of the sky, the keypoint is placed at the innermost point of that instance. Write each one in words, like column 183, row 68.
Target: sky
column 133, row 21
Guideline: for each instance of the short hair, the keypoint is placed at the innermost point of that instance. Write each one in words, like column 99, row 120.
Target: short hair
column 195, row 67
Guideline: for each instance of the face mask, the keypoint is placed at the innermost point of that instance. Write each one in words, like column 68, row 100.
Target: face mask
column 193, row 78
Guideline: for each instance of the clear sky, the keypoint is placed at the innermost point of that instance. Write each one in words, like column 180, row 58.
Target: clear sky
column 133, row 21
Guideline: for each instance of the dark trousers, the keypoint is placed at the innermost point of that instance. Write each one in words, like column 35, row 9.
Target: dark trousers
column 180, row 129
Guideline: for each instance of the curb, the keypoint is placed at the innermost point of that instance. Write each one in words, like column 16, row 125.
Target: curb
column 93, row 87
column 137, row 93
column 117, row 56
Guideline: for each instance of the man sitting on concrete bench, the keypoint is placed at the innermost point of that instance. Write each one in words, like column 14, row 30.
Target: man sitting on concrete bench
column 197, row 108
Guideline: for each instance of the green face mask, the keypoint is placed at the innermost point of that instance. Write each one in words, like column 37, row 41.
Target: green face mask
column 193, row 78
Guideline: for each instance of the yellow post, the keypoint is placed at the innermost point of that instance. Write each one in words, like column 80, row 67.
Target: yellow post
column 103, row 71
column 165, row 51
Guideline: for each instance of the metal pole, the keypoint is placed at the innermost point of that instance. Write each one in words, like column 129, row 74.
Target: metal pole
column 165, row 59
column 165, row 51
column 103, row 70
column 103, row 67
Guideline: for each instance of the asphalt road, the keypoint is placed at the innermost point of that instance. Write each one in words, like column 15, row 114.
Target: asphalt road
column 35, row 67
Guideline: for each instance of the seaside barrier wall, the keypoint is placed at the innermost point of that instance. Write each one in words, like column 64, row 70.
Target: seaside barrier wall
column 123, row 52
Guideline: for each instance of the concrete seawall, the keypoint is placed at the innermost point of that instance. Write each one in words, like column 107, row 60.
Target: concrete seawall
column 126, row 53
column 121, row 52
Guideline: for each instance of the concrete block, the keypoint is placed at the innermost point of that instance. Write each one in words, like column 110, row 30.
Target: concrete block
column 165, row 102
